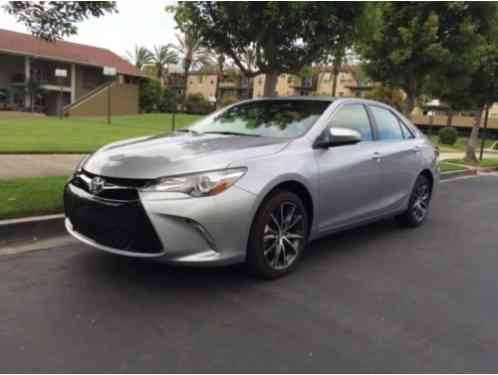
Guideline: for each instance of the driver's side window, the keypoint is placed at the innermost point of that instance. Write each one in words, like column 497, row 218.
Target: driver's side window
column 353, row 116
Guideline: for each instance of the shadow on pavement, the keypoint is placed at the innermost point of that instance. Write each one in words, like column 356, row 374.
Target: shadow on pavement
column 115, row 270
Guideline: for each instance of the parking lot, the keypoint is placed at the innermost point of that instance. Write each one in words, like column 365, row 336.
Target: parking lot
column 378, row 298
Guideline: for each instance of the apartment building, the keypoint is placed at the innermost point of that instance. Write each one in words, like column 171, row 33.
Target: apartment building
column 28, row 78
column 234, row 84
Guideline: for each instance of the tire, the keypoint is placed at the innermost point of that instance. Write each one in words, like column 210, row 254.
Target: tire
column 278, row 235
column 418, row 206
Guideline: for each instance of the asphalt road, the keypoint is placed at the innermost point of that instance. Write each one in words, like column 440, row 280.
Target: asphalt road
column 378, row 298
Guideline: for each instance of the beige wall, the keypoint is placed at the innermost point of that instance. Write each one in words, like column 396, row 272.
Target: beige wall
column 493, row 112
column 284, row 85
column 204, row 84
column 325, row 83
column 124, row 101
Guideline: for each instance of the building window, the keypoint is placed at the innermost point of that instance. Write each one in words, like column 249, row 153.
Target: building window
column 212, row 82
column 341, row 94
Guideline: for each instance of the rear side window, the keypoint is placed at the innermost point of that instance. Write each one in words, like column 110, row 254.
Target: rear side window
column 387, row 124
column 407, row 133
column 354, row 116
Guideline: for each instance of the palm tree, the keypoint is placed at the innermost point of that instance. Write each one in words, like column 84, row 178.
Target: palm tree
column 140, row 56
column 193, row 54
column 162, row 56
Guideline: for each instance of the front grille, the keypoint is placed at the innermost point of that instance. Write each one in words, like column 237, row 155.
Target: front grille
column 122, row 189
column 118, row 224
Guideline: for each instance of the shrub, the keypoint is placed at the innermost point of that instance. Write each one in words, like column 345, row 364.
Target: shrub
column 169, row 101
column 448, row 136
column 150, row 95
column 228, row 100
column 196, row 104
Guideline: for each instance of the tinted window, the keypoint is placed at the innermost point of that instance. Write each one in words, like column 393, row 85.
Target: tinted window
column 387, row 123
column 268, row 118
column 354, row 117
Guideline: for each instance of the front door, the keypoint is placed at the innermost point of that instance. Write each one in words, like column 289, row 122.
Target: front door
column 349, row 176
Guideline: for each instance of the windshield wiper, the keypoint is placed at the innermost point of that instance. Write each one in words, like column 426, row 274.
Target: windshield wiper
column 231, row 133
column 187, row 131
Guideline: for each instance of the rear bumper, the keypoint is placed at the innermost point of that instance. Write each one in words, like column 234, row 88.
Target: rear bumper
column 196, row 231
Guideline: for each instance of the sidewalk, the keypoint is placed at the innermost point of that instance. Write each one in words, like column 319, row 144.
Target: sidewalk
column 460, row 155
column 16, row 166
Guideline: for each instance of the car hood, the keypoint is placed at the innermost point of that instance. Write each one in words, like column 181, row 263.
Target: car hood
column 158, row 156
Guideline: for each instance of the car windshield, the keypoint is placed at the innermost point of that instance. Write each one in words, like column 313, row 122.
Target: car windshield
column 265, row 118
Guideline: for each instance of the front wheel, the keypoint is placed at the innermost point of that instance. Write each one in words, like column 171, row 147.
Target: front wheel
column 418, row 207
column 278, row 235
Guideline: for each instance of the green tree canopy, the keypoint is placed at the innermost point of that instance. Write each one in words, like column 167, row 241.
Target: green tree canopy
column 51, row 20
column 419, row 43
column 140, row 56
column 285, row 36
column 162, row 57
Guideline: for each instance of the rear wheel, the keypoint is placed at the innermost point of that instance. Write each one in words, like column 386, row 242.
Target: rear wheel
column 278, row 235
column 418, row 207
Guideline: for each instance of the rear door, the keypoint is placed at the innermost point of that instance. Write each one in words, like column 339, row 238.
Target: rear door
column 349, row 175
column 400, row 158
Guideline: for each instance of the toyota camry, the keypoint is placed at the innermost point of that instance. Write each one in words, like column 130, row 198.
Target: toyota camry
column 254, row 182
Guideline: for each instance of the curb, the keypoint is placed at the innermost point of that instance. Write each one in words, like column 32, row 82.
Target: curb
column 450, row 175
column 488, row 169
column 31, row 228
column 467, row 172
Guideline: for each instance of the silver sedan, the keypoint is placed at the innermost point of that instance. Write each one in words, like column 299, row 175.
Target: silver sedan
column 253, row 182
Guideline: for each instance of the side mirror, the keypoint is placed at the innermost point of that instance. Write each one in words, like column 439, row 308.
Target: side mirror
column 334, row 137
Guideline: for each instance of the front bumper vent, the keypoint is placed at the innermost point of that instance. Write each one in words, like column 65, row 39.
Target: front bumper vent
column 122, row 225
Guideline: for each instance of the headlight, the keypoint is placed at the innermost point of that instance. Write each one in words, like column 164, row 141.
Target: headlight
column 198, row 184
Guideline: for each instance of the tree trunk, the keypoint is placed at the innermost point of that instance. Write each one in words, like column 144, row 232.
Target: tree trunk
column 271, row 80
column 250, row 88
column 470, row 152
column 410, row 104
column 185, row 80
column 449, row 120
column 334, row 80
column 411, row 98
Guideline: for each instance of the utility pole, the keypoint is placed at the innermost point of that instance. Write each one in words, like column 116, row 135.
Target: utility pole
column 109, row 104
column 109, row 72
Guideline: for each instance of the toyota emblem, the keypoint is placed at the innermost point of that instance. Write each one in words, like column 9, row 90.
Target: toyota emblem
column 96, row 185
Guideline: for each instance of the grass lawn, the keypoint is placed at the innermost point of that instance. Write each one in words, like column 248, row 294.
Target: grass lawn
column 446, row 167
column 79, row 135
column 31, row 196
column 488, row 162
column 460, row 145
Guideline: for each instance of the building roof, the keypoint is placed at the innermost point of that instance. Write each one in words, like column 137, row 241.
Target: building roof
column 25, row 44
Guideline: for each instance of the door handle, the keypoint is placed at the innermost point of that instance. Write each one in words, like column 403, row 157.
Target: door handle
column 417, row 149
column 377, row 156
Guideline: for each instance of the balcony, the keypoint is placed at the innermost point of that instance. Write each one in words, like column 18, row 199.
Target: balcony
column 304, row 84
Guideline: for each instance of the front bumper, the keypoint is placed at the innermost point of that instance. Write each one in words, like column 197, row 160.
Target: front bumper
column 198, row 231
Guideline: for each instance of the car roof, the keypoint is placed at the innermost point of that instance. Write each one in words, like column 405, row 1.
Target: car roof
column 322, row 98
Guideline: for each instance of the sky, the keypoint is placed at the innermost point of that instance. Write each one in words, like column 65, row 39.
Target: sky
column 141, row 22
